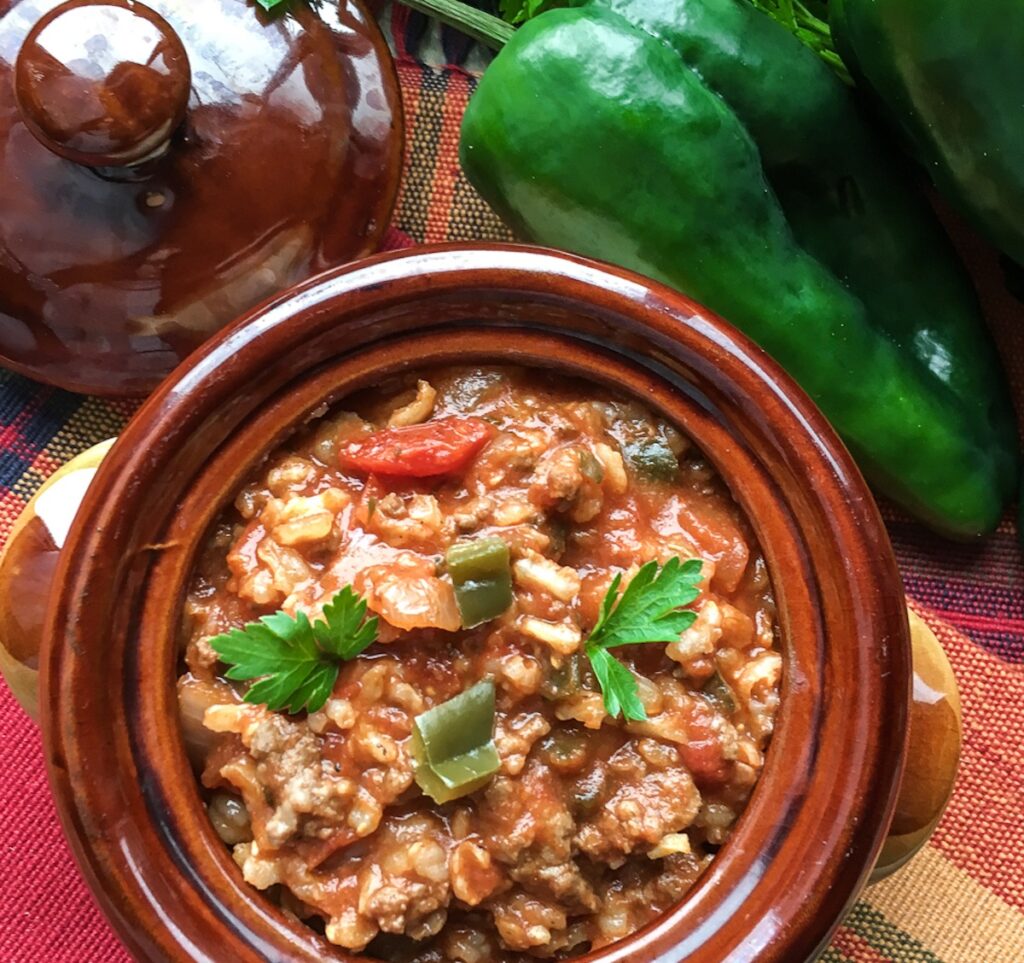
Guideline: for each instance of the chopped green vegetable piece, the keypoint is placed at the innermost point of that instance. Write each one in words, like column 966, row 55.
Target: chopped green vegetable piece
column 649, row 610
column 652, row 458
column 565, row 749
column 717, row 689
column 645, row 444
column 453, row 744
column 482, row 578
column 565, row 680
column 463, row 723
column 466, row 394
column 590, row 792
column 591, row 467
column 457, row 777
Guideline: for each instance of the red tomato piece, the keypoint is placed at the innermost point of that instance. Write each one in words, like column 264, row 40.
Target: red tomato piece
column 704, row 759
column 702, row 752
column 419, row 451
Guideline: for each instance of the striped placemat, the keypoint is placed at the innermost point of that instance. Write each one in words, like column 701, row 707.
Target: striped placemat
column 960, row 901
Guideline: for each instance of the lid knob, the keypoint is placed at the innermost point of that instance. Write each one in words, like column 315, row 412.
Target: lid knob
column 103, row 82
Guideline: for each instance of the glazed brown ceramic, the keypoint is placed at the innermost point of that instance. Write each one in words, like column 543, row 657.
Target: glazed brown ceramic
column 129, row 802
column 29, row 561
column 103, row 107
column 933, row 753
column 164, row 167
column 27, row 566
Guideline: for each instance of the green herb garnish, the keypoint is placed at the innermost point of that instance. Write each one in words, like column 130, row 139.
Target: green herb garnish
column 649, row 610
column 278, row 8
column 295, row 660
column 519, row 11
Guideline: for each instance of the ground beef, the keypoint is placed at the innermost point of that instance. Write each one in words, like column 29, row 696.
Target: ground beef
column 593, row 825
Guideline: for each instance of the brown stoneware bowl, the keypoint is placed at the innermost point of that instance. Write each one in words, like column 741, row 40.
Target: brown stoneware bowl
column 821, row 812
column 166, row 166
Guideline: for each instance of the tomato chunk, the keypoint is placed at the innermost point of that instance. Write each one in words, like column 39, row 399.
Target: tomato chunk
column 419, row 451
column 702, row 752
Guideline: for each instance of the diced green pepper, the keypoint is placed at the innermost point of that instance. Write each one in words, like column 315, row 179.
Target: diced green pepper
column 463, row 723
column 564, row 680
column 591, row 467
column 453, row 744
column 646, row 445
column 482, row 578
column 652, row 458
column 466, row 394
column 720, row 691
column 565, row 749
column 590, row 792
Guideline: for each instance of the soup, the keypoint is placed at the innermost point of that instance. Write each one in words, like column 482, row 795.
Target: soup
column 550, row 687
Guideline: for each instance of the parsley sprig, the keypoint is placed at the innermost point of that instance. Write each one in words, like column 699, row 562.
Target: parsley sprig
column 519, row 11
column 296, row 661
column 649, row 610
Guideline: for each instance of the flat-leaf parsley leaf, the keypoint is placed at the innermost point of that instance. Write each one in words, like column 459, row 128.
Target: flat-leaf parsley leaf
column 296, row 661
column 649, row 610
column 519, row 11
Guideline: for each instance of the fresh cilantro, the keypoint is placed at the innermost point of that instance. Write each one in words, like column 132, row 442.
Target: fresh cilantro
column 649, row 610
column 296, row 661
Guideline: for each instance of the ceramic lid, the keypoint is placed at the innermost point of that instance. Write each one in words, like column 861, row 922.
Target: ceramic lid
column 166, row 166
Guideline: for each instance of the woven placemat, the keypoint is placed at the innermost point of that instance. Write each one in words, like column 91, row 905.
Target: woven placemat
column 960, row 901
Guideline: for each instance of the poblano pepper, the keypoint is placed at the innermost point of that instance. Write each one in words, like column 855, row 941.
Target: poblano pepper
column 948, row 73
column 699, row 143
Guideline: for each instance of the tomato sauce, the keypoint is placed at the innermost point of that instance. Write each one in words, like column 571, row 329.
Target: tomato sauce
column 593, row 824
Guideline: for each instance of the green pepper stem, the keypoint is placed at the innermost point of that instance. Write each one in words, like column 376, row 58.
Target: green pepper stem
column 810, row 29
column 474, row 23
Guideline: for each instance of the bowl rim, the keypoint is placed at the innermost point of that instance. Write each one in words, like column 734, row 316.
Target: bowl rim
column 847, row 679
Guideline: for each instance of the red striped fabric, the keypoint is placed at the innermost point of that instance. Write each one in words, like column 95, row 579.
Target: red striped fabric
column 960, row 901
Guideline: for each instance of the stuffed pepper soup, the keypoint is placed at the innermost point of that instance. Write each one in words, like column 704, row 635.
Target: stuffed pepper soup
column 481, row 665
